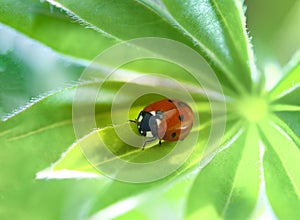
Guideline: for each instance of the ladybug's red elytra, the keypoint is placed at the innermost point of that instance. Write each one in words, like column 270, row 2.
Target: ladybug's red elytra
column 167, row 119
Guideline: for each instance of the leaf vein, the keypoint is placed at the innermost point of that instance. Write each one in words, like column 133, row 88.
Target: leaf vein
column 295, row 187
column 55, row 125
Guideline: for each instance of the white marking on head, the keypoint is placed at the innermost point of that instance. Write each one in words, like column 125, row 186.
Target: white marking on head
column 140, row 118
column 153, row 113
column 149, row 134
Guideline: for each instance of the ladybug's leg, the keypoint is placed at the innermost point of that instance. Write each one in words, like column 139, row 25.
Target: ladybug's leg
column 159, row 142
column 133, row 121
column 147, row 141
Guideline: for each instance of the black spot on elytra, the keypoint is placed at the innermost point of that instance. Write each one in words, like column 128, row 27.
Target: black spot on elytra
column 173, row 134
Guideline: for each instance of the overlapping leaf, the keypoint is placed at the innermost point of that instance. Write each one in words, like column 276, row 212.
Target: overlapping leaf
column 52, row 27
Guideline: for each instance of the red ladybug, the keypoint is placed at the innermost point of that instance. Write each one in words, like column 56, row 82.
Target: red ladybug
column 167, row 119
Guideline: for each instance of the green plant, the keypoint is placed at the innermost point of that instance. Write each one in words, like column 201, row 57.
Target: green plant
column 253, row 173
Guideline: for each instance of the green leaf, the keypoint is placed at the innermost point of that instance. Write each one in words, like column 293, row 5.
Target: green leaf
column 156, row 22
column 50, row 199
column 35, row 122
column 285, row 96
column 167, row 198
column 145, row 22
column 230, row 182
column 52, row 27
column 288, row 87
column 291, row 123
column 30, row 141
column 288, row 121
column 73, row 159
column 282, row 175
column 14, row 92
column 220, row 34
column 21, row 73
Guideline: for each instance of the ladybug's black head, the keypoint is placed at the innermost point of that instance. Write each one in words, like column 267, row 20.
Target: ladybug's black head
column 147, row 124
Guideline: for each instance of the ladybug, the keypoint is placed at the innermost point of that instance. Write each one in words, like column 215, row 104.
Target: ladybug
column 167, row 119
